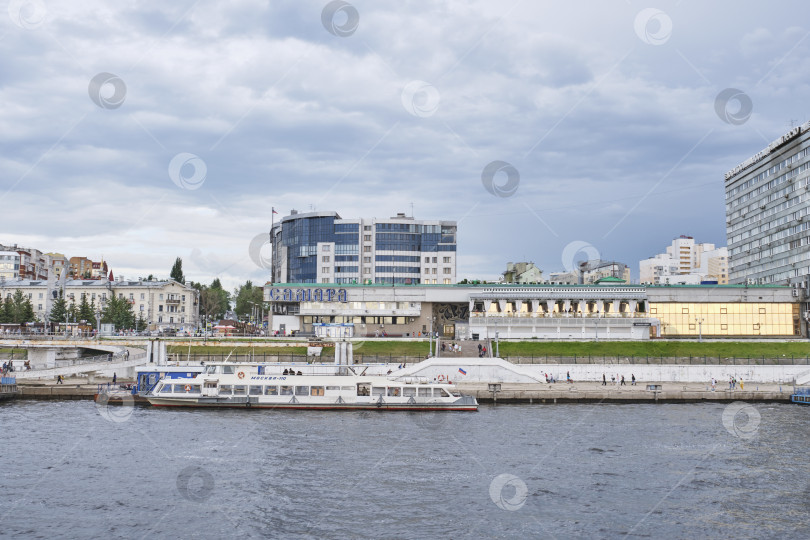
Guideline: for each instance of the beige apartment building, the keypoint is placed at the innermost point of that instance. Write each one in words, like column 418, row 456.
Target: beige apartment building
column 686, row 263
column 162, row 304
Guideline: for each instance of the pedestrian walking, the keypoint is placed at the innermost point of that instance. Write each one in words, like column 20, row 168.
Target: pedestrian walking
column 623, row 383
column 115, row 378
column 714, row 383
column 604, row 381
column 632, row 379
column 568, row 377
column 59, row 380
column 742, row 386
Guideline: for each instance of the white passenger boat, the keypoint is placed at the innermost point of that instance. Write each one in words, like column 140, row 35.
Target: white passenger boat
column 252, row 386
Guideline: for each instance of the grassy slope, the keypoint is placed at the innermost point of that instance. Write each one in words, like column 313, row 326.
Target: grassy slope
column 395, row 348
column 656, row 348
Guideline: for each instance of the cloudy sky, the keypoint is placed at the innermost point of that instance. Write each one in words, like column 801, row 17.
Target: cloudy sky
column 143, row 131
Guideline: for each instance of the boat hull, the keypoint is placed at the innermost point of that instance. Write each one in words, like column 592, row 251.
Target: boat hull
column 463, row 404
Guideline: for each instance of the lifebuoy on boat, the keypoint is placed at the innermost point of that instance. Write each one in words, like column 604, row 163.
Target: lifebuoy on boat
column 440, row 378
column 241, row 374
column 188, row 388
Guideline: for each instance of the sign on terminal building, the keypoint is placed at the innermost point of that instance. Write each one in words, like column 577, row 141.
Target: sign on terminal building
column 307, row 295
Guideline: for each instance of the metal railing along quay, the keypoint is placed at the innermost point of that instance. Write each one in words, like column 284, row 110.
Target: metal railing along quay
column 396, row 359
column 663, row 360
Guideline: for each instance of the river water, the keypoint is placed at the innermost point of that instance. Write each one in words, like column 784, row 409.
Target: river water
column 73, row 469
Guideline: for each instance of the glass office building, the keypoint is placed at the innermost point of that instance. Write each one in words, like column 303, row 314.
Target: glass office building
column 322, row 247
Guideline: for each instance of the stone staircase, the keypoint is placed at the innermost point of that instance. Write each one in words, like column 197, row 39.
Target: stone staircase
column 469, row 349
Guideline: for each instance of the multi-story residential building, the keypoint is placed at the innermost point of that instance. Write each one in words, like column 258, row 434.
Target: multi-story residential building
column 58, row 264
column 767, row 205
column 593, row 271
column 563, row 278
column 9, row 265
column 686, row 263
column 522, row 272
column 322, row 247
column 84, row 268
column 160, row 303
column 33, row 264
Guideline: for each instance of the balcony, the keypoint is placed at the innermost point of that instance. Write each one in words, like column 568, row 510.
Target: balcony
column 173, row 301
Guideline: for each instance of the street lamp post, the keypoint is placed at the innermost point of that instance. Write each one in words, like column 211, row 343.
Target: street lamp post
column 699, row 321
column 596, row 325
column 497, row 348
column 430, row 340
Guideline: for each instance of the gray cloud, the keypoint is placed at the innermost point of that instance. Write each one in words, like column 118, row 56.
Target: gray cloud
column 285, row 114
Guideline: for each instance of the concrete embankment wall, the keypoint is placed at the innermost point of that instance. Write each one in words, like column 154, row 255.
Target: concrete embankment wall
column 498, row 370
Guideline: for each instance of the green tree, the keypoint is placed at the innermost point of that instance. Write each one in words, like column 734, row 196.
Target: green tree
column 118, row 312
column 58, row 310
column 177, row 271
column 5, row 310
column 21, row 309
column 141, row 322
column 222, row 298
column 73, row 312
column 87, row 312
column 245, row 297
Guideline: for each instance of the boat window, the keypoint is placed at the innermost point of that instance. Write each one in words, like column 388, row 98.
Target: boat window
column 316, row 391
column 286, row 390
column 228, row 370
column 195, row 389
column 271, row 391
column 349, row 388
column 378, row 391
column 334, row 388
column 302, row 390
column 166, row 389
column 182, row 388
column 255, row 390
column 211, row 384
column 210, row 370
column 394, row 391
column 261, row 370
column 439, row 392
column 409, row 391
column 424, row 392
column 225, row 389
column 239, row 390
column 363, row 389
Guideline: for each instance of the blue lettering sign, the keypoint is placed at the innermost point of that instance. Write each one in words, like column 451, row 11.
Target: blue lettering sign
column 307, row 295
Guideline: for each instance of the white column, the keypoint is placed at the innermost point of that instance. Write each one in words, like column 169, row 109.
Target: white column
column 534, row 305
column 518, row 305
column 600, row 306
column 633, row 306
column 614, row 310
column 502, row 305
column 550, row 307
column 487, row 305
column 583, row 307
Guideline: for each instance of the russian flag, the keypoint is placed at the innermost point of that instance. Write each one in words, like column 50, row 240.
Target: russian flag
column 462, row 371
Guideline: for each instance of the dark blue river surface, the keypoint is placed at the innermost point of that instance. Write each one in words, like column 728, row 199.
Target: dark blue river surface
column 74, row 470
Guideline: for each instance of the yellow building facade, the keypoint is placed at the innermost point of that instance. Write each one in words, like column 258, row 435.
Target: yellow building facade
column 732, row 319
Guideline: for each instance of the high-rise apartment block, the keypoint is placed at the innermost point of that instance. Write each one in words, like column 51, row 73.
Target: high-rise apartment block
column 322, row 247
column 767, row 213
column 686, row 263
